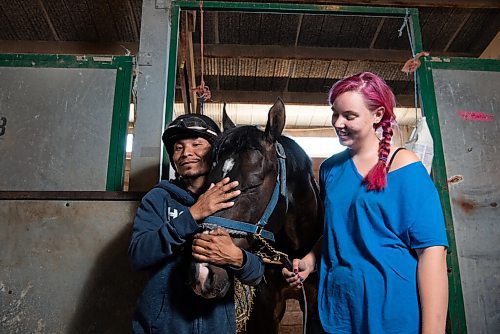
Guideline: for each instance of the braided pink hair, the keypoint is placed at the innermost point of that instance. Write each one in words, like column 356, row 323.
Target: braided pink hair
column 376, row 94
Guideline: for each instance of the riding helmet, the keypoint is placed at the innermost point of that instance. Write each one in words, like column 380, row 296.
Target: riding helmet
column 189, row 126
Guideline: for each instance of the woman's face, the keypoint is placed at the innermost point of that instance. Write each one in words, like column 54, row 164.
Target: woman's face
column 353, row 121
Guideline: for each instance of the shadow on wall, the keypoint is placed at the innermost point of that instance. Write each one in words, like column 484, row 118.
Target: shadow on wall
column 108, row 299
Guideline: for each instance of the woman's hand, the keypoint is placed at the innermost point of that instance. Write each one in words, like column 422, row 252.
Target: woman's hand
column 301, row 268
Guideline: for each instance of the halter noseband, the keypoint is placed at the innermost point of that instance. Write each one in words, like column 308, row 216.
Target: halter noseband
column 239, row 227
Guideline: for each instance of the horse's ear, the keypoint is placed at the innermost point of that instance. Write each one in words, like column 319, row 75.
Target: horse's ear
column 227, row 123
column 275, row 120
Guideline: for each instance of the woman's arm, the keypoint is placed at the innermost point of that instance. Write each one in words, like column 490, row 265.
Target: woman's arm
column 432, row 280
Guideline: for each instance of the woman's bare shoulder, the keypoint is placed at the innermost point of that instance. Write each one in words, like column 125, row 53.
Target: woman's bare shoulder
column 402, row 158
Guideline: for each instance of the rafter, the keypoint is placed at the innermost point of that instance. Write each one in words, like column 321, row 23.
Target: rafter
column 492, row 51
column 238, row 96
column 303, row 52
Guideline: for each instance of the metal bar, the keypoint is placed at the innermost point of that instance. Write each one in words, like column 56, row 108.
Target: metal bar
column 152, row 86
column 465, row 63
column 61, row 61
column 71, row 195
column 171, row 77
column 291, row 8
column 456, row 320
column 415, row 30
column 414, row 3
column 119, row 126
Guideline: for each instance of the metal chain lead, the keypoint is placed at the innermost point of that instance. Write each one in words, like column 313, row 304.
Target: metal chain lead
column 269, row 254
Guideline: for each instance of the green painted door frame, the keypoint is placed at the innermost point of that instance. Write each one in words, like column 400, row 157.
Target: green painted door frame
column 456, row 315
column 121, row 103
column 457, row 320
column 282, row 8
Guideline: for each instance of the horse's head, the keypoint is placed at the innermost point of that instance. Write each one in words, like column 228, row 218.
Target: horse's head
column 247, row 155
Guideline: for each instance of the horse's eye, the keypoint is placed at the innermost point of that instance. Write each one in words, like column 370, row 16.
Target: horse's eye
column 249, row 187
column 252, row 180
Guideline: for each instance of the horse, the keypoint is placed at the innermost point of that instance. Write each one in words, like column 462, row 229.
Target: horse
column 279, row 213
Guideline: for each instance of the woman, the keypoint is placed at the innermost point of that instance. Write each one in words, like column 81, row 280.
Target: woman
column 383, row 252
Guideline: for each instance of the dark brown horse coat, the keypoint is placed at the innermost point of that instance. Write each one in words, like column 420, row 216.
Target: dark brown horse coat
column 249, row 155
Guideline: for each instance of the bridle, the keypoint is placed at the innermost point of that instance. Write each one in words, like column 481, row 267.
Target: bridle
column 238, row 228
column 241, row 228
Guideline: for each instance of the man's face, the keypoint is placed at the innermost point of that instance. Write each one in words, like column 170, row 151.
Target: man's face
column 192, row 157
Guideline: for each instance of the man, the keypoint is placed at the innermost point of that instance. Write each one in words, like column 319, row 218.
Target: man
column 164, row 226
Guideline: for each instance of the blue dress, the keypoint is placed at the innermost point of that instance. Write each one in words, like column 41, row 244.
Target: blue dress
column 368, row 269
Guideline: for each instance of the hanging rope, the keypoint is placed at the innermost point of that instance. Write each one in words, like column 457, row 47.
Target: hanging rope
column 202, row 91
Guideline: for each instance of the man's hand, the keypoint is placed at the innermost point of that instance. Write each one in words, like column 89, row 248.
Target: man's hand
column 214, row 199
column 216, row 247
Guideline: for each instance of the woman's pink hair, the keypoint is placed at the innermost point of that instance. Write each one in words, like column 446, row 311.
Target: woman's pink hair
column 376, row 94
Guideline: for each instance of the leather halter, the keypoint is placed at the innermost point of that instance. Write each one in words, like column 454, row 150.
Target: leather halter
column 240, row 227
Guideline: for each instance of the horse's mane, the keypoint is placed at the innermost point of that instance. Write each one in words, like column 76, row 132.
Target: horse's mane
column 248, row 137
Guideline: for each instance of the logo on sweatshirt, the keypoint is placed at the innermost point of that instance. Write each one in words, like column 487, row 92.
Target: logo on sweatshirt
column 173, row 213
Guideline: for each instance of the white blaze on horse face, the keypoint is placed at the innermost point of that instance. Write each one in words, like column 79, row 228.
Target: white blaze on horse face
column 226, row 168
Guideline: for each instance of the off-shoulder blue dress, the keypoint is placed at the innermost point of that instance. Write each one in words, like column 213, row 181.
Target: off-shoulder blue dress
column 368, row 268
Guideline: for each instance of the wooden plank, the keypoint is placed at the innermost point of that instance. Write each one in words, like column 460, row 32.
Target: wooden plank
column 301, row 52
column 493, row 49
column 269, row 96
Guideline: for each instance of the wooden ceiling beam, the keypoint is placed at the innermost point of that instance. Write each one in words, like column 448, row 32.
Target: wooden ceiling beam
column 238, row 96
column 48, row 20
column 492, row 51
column 302, row 52
column 457, row 31
column 134, row 25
